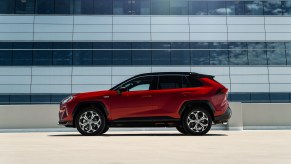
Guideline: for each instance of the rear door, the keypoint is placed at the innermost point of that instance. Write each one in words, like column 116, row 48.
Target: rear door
column 171, row 93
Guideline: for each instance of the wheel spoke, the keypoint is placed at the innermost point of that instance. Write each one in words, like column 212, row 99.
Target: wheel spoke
column 197, row 121
column 90, row 122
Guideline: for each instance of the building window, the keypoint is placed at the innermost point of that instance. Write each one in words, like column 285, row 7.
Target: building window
column 178, row 7
column 42, row 57
column 218, row 57
column 161, row 57
column 141, row 7
column 45, row 7
column 82, row 57
column 22, row 57
column 198, row 8
column 180, row 57
column 276, row 53
column 24, row 6
column 122, row 7
column 160, row 7
column 62, row 57
column 273, row 7
column 7, row 6
column 102, row 57
column 235, row 7
column 216, row 8
column 141, row 57
column 257, row 53
column 84, row 7
column 286, row 7
column 121, row 57
column 253, row 8
column 5, row 57
column 200, row 57
column 238, row 57
column 64, row 6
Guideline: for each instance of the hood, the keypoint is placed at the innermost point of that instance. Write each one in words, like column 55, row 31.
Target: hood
column 94, row 94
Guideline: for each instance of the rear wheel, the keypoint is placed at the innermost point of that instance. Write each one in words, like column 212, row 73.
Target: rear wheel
column 197, row 121
column 90, row 122
column 181, row 129
column 105, row 129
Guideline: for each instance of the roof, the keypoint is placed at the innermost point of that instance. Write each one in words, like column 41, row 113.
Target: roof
column 172, row 73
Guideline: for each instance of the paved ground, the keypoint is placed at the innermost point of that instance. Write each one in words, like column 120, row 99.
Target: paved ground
column 153, row 147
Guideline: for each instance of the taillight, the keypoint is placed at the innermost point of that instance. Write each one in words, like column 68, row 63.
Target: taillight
column 222, row 91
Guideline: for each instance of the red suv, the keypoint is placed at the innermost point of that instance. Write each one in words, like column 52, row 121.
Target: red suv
column 191, row 102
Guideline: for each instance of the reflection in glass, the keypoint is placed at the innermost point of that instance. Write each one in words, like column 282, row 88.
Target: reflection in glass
column 218, row 45
column 103, row 7
column 235, row 7
column 238, row 57
column 42, row 57
column 198, row 8
column 161, row 57
column 83, row 7
column 160, row 7
column 7, row 6
column 179, row 45
column 276, row 53
column 161, row 45
column 178, row 7
column 253, row 8
column 64, row 6
column 199, row 45
column 45, row 7
column 141, row 45
column 5, row 57
column 122, row 7
column 237, row 45
column 200, row 57
column 286, row 7
column 216, row 8
column 102, row 45
column 257, row 53
column 141, row 7
column 22, row 57
column 82, row 57
column 180, row 57
column 121, row 57
column 121, row 45
column 288, row 52
column 141, row 57
column 24, row 6
column 102, row 57
column 62, row 57
column 272, row 7
column 218, row 57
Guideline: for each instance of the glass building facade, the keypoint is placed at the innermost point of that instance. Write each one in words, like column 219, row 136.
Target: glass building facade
column 53, row 48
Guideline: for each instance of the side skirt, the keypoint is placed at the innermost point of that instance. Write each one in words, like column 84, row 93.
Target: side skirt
column 145, row 122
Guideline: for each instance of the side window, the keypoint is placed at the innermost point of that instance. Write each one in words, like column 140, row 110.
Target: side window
column 139, row 84
column 194, row 82
column 170, row 82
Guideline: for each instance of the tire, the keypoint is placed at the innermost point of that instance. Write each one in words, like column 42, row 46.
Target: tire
column 89, row 126
column 197, row 121
column 181, row 129
column 105, row 129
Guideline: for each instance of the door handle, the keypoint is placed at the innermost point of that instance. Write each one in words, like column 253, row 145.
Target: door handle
column 186, row 93
column 147, row 96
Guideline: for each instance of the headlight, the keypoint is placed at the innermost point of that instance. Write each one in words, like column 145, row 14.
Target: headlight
column 67, row 99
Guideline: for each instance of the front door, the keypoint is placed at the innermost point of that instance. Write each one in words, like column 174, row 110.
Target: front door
column 136, row 101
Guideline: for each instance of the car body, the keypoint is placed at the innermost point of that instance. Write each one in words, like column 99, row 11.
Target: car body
column 163, row 99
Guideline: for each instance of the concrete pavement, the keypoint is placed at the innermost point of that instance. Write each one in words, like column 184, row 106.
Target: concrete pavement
column 139, row 147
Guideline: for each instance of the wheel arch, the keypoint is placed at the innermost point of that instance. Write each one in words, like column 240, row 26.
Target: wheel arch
column 199, row 103
column 97, row 104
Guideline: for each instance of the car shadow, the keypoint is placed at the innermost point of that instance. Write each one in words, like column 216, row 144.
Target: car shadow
column 135, row 135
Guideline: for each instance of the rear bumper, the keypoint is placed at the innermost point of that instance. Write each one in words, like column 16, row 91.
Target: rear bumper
column 224, row 117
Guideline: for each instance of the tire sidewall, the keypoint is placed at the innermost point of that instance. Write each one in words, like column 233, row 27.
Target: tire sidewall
column 185, row 125
column 101, row 128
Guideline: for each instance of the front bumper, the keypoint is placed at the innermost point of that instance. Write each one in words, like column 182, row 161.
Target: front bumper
column 224, row 117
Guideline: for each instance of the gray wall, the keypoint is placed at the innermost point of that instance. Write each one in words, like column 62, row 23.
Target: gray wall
column 245, row 116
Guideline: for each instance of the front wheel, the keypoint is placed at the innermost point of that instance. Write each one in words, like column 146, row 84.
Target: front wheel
column 197, row 121
column 90, row 122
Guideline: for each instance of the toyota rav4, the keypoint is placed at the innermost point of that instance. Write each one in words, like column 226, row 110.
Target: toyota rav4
column 191, row 102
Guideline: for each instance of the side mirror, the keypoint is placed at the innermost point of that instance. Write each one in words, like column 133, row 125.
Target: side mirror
column 121, row 89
